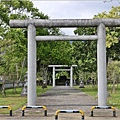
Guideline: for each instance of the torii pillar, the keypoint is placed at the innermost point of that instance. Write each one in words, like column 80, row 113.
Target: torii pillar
column 53, row 76
column 101, row 65
column 31, row 92
column 71, row 76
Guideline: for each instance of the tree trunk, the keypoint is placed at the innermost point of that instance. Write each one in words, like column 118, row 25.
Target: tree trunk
column 44, row 74
column 3, row 88
column 23, row 63
column 113, row 90
column 14, row 88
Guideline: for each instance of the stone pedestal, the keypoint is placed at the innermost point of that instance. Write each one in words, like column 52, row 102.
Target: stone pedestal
column 24, row 91
column 81, row 84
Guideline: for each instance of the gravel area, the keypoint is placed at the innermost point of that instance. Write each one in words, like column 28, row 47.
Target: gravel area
column 64, row 98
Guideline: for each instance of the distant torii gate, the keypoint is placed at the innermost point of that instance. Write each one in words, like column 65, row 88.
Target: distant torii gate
column 101, row 48
column 71, row 72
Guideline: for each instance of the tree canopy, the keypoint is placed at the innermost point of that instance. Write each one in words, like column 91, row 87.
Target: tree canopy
column 13, row 41
column 85, row 52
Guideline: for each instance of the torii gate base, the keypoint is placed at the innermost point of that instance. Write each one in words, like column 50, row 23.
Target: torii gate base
column 101, row 48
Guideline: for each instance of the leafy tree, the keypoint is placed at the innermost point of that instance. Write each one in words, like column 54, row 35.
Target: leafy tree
column 112, row 34
column 13, row 41
column 53, row 53
column 89, row 53
column 86, row 60
column 113, row 74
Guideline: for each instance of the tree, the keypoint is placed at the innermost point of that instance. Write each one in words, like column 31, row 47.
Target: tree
column 53, row 53
column 14, row 41
column 85, row 60
column 89, row 53
column 113, row 74
column 85, row 54
column 112, row 33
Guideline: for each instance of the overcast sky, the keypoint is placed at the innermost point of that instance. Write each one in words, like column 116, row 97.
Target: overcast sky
column 73, row 9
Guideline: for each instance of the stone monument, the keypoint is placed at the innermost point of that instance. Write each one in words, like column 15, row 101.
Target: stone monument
column 24, row 90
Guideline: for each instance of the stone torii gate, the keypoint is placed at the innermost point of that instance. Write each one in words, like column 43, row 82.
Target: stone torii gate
column 101, row 48
column 71, row 72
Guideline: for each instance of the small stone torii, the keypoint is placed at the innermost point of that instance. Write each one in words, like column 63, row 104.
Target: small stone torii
column 32, row 24
column 71, row 72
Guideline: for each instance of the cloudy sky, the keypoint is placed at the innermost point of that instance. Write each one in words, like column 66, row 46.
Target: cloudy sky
column 73, row 9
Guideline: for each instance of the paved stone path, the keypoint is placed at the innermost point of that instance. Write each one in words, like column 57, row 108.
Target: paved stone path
column 64, row 98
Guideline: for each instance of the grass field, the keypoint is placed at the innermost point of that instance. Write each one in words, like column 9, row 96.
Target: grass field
column 112, row 100
column 15, row 100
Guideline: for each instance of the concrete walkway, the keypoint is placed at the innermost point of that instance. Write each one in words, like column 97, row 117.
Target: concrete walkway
column 64, row 98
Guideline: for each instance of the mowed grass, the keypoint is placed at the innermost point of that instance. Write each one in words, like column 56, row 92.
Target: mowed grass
column 15, row 100
column 40, row 90
column 112, row 100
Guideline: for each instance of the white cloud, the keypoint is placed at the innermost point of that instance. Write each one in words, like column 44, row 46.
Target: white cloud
column 69, row 9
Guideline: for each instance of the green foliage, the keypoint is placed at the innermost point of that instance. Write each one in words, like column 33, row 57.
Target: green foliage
column 85, row 31
column 85, row 52
column 112, row 33
column 13, row 42
column 85, row 55
column 54, row 53
column 113, row 71
column 62, row 73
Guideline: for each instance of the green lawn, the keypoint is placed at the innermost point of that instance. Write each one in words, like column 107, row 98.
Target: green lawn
column 113, row 99
column 15, row 100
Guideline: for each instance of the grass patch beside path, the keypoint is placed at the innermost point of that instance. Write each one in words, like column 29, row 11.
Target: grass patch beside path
column 89, row 90
column 15, row 100
column 40, row 90
column 112, row 100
